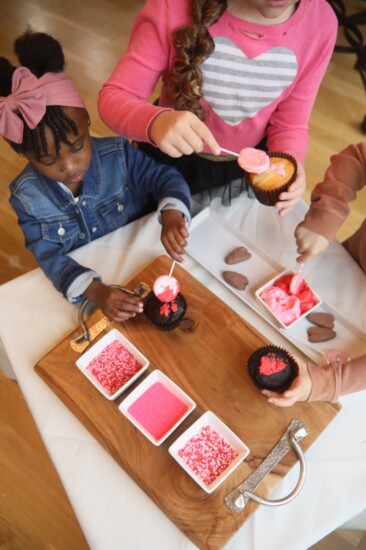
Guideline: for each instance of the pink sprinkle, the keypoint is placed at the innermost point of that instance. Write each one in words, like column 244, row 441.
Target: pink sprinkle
column 157, row 410
column 207, row 454
column 114, row 366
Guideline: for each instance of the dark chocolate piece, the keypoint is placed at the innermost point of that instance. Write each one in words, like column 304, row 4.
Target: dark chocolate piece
column 237, row 280
column 239, row 254
column 321, row 319
column 320, row 334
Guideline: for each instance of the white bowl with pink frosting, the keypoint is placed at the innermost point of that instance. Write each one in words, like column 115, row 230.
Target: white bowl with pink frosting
column 288, row 298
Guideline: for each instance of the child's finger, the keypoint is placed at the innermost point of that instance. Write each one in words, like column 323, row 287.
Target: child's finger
column 127, row 303
column 174, row 250
column 304, row 257
column 184, row 232
column 281, row 401
column 207, row 137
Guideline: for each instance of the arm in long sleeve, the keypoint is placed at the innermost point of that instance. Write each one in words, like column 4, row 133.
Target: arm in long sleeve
column 56, row 265
column 329, row 200
column 333, row 380
column 123, row 100
column 289, row 124
column 164, row 183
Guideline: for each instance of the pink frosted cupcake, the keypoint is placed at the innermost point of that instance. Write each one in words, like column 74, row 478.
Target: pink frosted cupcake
column 165, row 306
column 270, row 178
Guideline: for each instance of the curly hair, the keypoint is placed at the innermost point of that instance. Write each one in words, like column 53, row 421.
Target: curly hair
column 40, row 53
column 193, row 44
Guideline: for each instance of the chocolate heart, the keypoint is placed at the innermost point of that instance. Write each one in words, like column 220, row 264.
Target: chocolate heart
column 320, row 334
column 321, row 319
column 237, row 280
column 239, row 254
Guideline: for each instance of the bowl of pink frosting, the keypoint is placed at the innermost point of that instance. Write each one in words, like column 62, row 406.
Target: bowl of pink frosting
column 288, row 298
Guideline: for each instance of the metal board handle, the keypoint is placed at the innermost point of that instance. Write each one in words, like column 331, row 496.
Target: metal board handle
column 238, row 498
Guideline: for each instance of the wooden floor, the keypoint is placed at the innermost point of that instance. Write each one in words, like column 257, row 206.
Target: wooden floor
column 34, row 510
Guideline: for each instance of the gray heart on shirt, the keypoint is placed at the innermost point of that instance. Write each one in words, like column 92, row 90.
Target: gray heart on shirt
column 237, row 87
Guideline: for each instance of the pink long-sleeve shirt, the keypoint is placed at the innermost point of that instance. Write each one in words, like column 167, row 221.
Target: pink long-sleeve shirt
column 259, row 81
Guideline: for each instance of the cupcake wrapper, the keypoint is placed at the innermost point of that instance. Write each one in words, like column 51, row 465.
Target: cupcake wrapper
column 174, row 324
column 270, row 197
column 253, row 369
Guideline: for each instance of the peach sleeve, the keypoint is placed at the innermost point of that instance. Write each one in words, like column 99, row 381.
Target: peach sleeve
column 333, row 380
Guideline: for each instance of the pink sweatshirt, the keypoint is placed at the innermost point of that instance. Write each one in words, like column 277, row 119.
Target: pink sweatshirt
column 329, row 208
column 333, row 380
column 260, row 80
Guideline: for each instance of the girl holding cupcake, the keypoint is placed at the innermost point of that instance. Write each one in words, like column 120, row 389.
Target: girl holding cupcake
column 234, row 74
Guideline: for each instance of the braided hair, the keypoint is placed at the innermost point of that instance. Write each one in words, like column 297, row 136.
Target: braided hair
column 193, row 44
column 41, row 54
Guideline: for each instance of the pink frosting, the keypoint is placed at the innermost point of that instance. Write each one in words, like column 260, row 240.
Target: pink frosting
column 271, row 365
column 278, row 168
column 285, row 307
column 289, row 298
column 253, row 160
column 166, row 288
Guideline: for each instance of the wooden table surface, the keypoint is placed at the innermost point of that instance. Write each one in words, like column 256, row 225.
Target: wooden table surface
column 209, row 363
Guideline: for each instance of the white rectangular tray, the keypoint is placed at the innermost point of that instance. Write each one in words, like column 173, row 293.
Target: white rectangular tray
column 212, row 238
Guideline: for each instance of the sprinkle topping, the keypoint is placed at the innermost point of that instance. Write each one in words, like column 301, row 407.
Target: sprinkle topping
column 157, row 410
column 114, row 366
column 207, row 454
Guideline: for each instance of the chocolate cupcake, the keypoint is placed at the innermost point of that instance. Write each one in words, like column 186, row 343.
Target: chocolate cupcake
column 268, row 185
column 165, row 315
column 272, row 368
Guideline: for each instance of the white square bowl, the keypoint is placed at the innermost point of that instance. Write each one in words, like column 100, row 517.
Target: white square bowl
column 258, row 292
column 113, row 335
column 157, row 406
column 214, row 423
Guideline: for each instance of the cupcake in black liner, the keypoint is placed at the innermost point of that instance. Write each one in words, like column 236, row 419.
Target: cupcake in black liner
column 165, row 315
column 272, row 368
column 268, row 185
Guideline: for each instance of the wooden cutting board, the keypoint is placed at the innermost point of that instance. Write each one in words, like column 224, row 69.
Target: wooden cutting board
column 208, row 361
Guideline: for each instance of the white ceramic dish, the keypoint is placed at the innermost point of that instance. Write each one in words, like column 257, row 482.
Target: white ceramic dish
column 260, row 269
column 211, row 420
column 84, row 361
column 160, row 411
column 318, row 300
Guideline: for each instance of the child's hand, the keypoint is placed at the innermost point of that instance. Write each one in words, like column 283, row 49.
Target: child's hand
column 115, row 304
column 174, row 233
column 289, row 198
column 308, row 243
column 178, row 133
column 299, row 390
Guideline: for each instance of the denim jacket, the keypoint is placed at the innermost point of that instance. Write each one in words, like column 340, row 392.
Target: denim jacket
column 121, row 185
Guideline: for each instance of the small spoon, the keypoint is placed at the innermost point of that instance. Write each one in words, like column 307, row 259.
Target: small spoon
column 229, row 152
column 171, row 269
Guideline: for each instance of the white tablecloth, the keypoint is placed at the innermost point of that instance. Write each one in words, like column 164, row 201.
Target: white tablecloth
column 113, row 511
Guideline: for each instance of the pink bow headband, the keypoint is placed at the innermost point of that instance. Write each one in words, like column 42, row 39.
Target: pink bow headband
column 30, row 96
